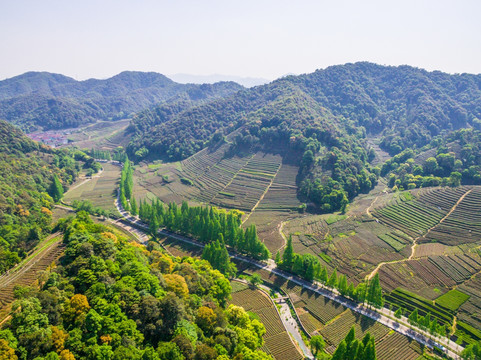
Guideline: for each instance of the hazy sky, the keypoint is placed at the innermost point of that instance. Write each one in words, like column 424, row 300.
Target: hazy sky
column 268, row 39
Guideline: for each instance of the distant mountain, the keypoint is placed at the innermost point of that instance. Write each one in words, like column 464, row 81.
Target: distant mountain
column 45, row 100
column 210, row 79
column 325, row 117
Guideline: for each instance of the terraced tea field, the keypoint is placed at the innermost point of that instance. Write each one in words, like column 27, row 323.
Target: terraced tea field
column 101, row 135
column 397, row 346
column 413, row 218
column 230, row 181
column 470, row 311
column 263, row 185
column 462, row 225
column 352, row 244
column 434, row 272
column 335, row 331
column 321, row 316
column 250, row 183
column 277, row 341
column 28, row 271
column 101, row 190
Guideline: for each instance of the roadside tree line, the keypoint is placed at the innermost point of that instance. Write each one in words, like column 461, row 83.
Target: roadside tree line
column 309, row 267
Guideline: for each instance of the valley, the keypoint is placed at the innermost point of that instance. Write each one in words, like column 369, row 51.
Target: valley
column 382, row 225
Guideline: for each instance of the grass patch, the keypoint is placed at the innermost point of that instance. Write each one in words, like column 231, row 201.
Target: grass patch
column 186, row 181
column 325, row 257
column 227, row 194
column 238, row 286
column 452, row 300
column 392, row 242
column 406, row 196
column 335, row 218
column 467, row 333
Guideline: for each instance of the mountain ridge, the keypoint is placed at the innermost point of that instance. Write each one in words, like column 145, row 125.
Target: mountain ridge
column 46, row 100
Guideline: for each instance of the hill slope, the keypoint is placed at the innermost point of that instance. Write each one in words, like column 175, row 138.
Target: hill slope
column 27, row 170
column 384, row 100
column 325, row 117
column 41, row 99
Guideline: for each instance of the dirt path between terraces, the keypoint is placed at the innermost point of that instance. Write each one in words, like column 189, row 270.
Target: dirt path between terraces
column 414, row 244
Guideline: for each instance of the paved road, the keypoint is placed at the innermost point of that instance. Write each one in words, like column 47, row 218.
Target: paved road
column 291, row 326
column 383, row 316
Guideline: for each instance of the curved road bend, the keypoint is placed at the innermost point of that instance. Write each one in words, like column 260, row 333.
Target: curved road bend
column 383, row 316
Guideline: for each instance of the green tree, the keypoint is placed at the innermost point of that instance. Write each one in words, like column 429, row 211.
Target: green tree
column 398, row 313
column 216, row 253
column 288, row 255
column 56, row 189
column 414, row 317
column 374, row 292
column 255, row 279
column 133, row 206
column 430, row 166
column 472, row 352
column 332, row 282
column 340, row 353
column 317, row 344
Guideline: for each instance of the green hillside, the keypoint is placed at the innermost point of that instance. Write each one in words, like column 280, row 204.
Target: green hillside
column 109, row 299
column 27, row 171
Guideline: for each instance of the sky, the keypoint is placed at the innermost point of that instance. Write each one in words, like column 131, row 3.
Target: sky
column 259, row 38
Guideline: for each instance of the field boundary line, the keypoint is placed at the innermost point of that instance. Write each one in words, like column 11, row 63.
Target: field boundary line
column 368, row 210
column 281, row 232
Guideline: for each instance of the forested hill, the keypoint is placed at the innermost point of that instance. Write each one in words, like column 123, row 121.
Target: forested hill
column 41, row 99
column 406, row 106
column 326, row 118
column 27, row 173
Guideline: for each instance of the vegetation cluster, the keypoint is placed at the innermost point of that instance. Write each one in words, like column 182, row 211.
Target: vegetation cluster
column 309, row 267
column 32, row 179
column 206, row 224
column 109, row 299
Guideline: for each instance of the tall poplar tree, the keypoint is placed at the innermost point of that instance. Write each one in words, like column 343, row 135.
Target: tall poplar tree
column 56, row 189
column 288, row 255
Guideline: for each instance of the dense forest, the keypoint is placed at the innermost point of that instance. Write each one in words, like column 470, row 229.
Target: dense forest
column 52, row 101
column 446, row 161
column 32, row 178
column 110, row 299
